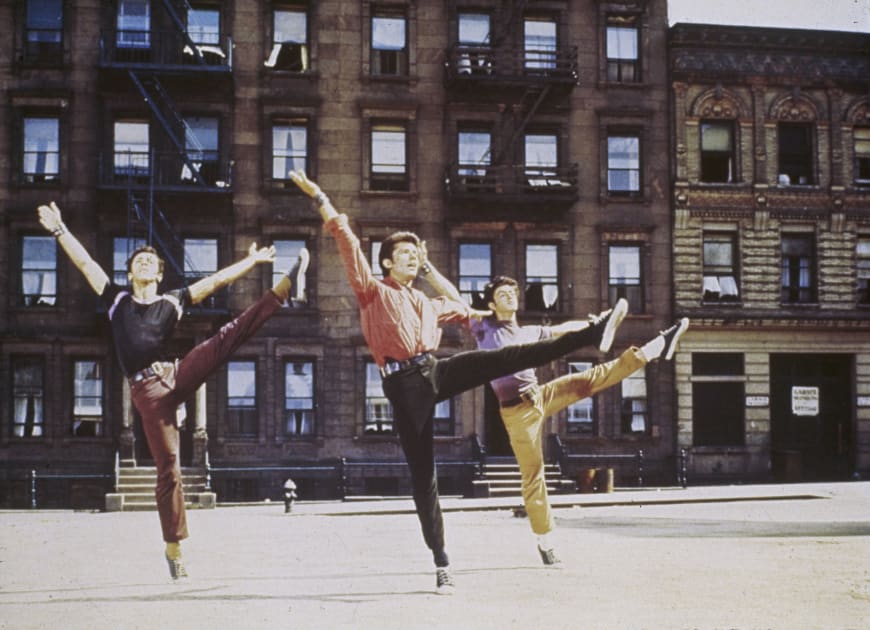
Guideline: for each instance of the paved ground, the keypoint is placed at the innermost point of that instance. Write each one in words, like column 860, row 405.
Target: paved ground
column 795, row 556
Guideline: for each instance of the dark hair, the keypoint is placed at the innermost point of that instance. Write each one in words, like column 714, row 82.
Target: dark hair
column 495, row 283
column 389, row 243
column 144, row 249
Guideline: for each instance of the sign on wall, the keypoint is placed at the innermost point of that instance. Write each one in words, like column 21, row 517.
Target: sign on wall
column 805, row 401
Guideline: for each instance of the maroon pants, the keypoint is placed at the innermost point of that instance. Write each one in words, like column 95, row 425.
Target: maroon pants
column 157, row 398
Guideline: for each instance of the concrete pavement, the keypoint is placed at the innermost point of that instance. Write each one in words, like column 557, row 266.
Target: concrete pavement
column 790, row 556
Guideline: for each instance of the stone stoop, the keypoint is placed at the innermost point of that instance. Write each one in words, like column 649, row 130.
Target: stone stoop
column 502, row 478
column 135, row 491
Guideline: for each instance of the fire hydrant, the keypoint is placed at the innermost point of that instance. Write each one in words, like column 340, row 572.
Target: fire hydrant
column 289, row 495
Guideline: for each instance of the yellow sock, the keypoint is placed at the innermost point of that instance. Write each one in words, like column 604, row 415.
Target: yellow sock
column 282, row 288
column 173, row 550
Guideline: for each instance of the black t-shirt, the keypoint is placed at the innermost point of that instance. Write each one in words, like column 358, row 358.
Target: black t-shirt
column 141, row 330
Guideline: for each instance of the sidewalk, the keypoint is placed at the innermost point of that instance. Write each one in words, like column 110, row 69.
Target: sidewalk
column 791, row 556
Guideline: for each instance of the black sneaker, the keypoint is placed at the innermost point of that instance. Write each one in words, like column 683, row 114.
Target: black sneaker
column 297, row 277
column 609, row 321
column 672, row 337
column 444, row 584
column 176, row 568
column 548, row 556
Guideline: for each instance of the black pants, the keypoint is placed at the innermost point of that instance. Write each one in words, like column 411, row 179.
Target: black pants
column 415, row 391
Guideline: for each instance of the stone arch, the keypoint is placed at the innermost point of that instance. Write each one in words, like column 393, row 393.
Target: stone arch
column 858, row 112
column 794, row 108
column 719, row 103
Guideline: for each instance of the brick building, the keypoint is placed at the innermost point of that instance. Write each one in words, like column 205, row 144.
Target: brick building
column 772, row 251
column 520, row 138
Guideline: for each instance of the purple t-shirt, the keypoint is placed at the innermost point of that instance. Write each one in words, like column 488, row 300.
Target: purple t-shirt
column 490, row 334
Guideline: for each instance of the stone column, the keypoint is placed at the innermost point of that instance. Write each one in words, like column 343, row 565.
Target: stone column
column 200, row 436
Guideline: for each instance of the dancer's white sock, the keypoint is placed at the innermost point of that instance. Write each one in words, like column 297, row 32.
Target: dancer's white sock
column 544, row 541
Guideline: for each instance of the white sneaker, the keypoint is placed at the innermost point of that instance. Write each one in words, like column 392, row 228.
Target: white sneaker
column 611, row 322
column 444, row 584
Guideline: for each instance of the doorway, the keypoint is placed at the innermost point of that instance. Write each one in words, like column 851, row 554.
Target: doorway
column 811, row 415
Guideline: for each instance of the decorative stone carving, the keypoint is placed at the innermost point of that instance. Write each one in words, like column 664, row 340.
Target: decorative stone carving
column 794, row 108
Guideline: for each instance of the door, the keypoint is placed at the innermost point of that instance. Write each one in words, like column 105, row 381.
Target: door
column 811, row 414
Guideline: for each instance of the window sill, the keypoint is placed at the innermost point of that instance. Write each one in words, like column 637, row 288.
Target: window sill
column 389, row 79
column 395, row 194
column 719, row 304
column 377, row 437
column 631, row 85
column 808, row 306
column 718, row 450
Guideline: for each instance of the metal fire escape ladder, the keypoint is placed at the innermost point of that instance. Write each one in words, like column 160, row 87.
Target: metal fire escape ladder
column 538, row 94
column 182, row 28
column 514, row 10
column 166, row 116
column 158, row 229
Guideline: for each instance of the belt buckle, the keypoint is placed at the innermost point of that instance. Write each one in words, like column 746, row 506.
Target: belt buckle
column 158, row 368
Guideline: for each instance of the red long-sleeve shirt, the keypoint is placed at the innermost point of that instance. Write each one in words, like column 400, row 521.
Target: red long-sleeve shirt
column 397, row 321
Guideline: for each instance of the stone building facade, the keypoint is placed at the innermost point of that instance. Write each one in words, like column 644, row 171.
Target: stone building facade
column 771, row 243
column 519, row 138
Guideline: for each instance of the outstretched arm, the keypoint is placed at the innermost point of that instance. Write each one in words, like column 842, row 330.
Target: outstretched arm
column 49, row 217
column 324, row 205
column 569, row 326
column 201, row 289
column 442, row 285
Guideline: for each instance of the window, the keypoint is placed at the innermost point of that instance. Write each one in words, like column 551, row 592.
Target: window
column 862, row 256
column 862, row 155
column 798, row 269
column 286, row 253
column 289, row 41
column 634, row 405
column 134, row 24
column 204, row 26
column 623, row 164
column 475, row 270
column 475, row 41
column 624, row 276
column 87, row 398
column 541, row 153
column 298, row 398
column 27, row 397
column 43, row 31
column 542, row 277
column 389, row 157
column 201, row 144
column 475, row 152
column 442, row 418
column 581, row 414
column 374, row 261
column 200, row 261
column 379, row 412
column 389, row 45
column 132, row 157
column 38, row 271
column 795, row 153
column 720, row 270
column 41, row 157
column 717, row 152
column 122, row 248
column 717, row 399
column 242, row 417
column 623, row 57
column 289, row 149
column 539, row 44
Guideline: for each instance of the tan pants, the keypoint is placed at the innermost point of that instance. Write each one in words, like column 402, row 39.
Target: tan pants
column 524, row 423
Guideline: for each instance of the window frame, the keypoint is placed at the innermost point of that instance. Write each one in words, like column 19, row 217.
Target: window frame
column 387, row 180
column 552, row 280
column 717, row 274
column 289, row 56
column 377, row 426
column 16, row 364
column 473, row 294
column 218, row 299
column 637, row 298
column 628, row 412
column 43, row 177
column 708, row 156
column 38, row 51
column 618, row 193
column 862, row 270
column 97, row 421
column 610, row 22
column 23, row 269
column 581, row 428
column 712, row 375
column 284, row 262
column 291, row 123
column 240, row 416
column 793, row 293
column 861, row 158
column 398, row 57
column 310, row 411
column 792, row 157
column 138, row 165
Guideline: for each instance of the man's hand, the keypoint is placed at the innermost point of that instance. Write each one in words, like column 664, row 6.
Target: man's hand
column 308, row 187
column 263, row 254
column 49, row 217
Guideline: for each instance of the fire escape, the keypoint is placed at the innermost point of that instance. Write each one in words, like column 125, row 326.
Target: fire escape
column 512, row 60
column 168, row 52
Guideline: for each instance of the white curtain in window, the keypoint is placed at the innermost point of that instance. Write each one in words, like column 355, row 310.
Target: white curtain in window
column 474, row 29
column 388, row 33
column 621, row 42
column 41, row 146
column 541, row 150
column 388, row 151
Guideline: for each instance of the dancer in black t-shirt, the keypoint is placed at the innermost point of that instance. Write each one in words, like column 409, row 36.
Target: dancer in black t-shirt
column 143, row 321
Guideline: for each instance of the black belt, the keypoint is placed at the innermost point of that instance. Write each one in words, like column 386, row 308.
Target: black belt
column 148, row 372
column 528, row 396
column 392, row 366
